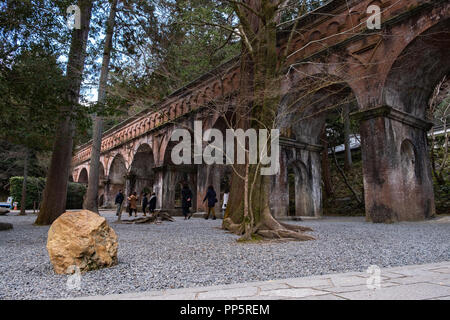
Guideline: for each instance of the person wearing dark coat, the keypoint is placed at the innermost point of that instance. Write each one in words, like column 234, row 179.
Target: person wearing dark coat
column 118, row 201
column 152, row 203
column 186, row 201
column 144, row 204
column 212, row 199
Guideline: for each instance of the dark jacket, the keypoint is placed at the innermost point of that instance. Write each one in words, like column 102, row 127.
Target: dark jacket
column 186, row 197
column 211, row 196
column 144, row 203
column 119, row 198
column 152, row 203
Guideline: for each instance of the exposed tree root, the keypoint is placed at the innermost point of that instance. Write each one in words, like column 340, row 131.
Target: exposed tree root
column 294, row 227
column 154, row 218
column 270, row 228
column 237, row 228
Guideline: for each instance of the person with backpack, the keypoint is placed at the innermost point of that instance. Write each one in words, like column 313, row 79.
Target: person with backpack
column 212, row 199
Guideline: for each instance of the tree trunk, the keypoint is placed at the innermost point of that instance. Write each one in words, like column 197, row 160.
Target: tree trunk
column 23, row 199
column 259, row 100
column 348, row 152
column 91, row 199
column 55, row 191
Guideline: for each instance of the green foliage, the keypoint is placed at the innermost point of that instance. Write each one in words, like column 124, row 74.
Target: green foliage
column 35, row 187
column 442, row 197
column 75, row 194
column 343, row 201
column 163, row 45
column 31, row 92
column 11, row 164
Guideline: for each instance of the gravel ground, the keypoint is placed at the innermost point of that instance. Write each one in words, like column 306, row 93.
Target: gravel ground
column 197, row 253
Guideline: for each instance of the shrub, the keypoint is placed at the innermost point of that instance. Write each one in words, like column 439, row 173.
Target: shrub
column 35, row 188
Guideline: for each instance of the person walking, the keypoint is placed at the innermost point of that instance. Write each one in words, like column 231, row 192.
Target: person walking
column 132, row 203
column 186, row 201
column 144, row 203
column 118, row 202
column 212, row 199
column 152, row 203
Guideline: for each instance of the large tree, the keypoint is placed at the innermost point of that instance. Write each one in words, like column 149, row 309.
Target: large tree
column 248, row 213
column 55, row 192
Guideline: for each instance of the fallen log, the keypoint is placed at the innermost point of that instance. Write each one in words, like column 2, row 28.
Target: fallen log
column 156, row 218
column 164, row 216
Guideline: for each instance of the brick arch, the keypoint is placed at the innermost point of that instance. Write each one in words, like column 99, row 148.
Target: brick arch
column 116, row 155
column 83, row 175
column 142, row 143
column 166, row 144
column 345, row 69
column 141, row 167
column 304, row 110
column 425, row 58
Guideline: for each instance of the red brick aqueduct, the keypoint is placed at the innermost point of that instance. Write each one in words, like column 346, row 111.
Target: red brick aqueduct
column 391, row 73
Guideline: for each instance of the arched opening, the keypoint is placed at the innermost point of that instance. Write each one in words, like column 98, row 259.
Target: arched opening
column 324, row 143
column 426, row 60
column 299, row 185
column 117, row 176
column 342, row 162
column 438, row 139
column 174, row 177
column 83, row 176
column 141, row 174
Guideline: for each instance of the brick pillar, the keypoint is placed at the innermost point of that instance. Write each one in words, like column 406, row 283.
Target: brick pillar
column 398, row 185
